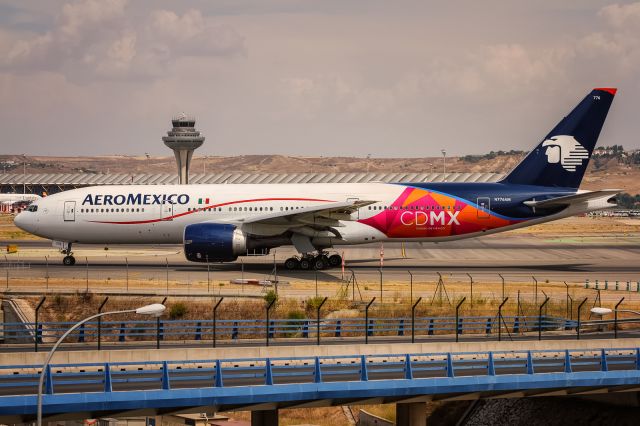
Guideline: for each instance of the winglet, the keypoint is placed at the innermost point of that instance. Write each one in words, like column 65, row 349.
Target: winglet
column 611, row 90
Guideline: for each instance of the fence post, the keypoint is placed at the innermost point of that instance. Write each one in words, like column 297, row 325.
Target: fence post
column 458, row 316
column 46, row 260
column 266, row 324
column 410, row 286
column 81, row 334
column 413, row 320
column 570, row 308
column 540, row 318
column 567, row 299
column 579, row 309
column 318, row 321
column 121, row 337
column 380, row 270
column 158, row 327
column 36, row 331
column 366, row 321
column 166, row 261
column 535, row 289
column 471, row 291
column 615, row 319
column 501, row 320
column 104, row 302
column 198, row 335
column 235, row 331
column 502, row 278
column 215, row 308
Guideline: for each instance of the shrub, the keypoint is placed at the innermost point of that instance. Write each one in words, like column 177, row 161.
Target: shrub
column 296, row 315
column 270, row 296
column 295, row 325
column 57, row 300
column 177, row 311
column 314, row 302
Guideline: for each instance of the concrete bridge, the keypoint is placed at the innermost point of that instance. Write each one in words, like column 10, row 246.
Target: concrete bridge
column 89, row 384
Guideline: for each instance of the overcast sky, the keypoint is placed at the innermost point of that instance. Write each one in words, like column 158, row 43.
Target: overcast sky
column 325, row 77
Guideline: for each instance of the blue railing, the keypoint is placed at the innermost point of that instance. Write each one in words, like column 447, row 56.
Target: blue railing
column 278, row 328
column 116, row 386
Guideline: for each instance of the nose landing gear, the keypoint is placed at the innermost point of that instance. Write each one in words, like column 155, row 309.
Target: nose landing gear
column 68, row 260
column 313, row 261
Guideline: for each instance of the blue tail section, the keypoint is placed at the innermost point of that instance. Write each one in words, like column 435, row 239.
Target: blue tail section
column 561, row 159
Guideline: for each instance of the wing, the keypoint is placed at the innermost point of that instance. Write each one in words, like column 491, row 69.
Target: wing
column 319, row 220
column 567, row 200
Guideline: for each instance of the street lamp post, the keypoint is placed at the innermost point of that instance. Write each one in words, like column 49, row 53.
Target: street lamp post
column 155, row 309
column 444, row 161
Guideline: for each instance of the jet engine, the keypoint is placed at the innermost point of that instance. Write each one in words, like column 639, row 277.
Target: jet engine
column 214, row 242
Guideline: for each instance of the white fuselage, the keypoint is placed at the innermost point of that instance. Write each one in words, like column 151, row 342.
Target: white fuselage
column 149, row 214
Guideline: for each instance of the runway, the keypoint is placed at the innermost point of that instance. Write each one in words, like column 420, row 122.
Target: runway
column 532, row 265
column 517, row 256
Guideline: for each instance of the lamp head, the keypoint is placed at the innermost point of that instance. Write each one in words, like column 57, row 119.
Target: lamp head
column 601, row 311
column 155, row 309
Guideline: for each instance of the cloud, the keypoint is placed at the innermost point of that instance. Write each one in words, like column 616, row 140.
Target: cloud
column 625, row 16
column 77, row 19
column 193, row 34
column 99, row 38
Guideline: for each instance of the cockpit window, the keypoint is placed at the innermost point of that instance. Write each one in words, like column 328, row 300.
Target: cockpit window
column 32, row 208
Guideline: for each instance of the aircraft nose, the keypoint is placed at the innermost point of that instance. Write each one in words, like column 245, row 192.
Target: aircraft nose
column 22, row 222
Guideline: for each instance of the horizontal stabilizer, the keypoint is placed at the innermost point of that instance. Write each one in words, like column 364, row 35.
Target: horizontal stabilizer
column 576, row 198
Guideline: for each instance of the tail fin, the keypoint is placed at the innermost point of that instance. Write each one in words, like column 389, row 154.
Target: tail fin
column 562, row 157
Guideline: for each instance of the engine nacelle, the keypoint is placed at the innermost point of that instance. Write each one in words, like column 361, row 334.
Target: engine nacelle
column 213, row 242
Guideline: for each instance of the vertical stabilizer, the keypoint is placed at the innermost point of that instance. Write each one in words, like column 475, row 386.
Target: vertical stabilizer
column 563, row 155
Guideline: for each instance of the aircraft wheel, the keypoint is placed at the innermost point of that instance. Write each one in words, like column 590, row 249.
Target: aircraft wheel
column 305, row 264
column 335, row 260
column 292, row 263
column 69, row 261
column 319, row 263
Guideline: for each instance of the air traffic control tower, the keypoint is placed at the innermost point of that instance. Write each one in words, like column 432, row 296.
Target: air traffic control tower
column 183, row 139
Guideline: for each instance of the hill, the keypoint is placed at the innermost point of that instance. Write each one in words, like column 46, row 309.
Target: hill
column 603, row 172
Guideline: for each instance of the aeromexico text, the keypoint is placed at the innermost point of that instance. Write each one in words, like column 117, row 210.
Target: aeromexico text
column 140, row 199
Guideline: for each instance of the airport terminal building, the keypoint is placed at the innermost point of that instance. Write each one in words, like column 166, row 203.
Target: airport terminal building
column 51, row 183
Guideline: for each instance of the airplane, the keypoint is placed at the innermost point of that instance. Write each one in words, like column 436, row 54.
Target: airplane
column 219, row 223
column 18, row 198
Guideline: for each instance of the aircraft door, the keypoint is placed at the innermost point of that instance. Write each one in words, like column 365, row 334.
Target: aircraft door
column 166, row 211
column 69, row 211
column 484, row 207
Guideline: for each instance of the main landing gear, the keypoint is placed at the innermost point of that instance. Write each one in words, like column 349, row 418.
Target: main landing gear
column 68, row 260
column 313, row 261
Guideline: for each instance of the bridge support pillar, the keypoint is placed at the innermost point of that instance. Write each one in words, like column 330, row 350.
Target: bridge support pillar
column 411, row 414
column 264, row 418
